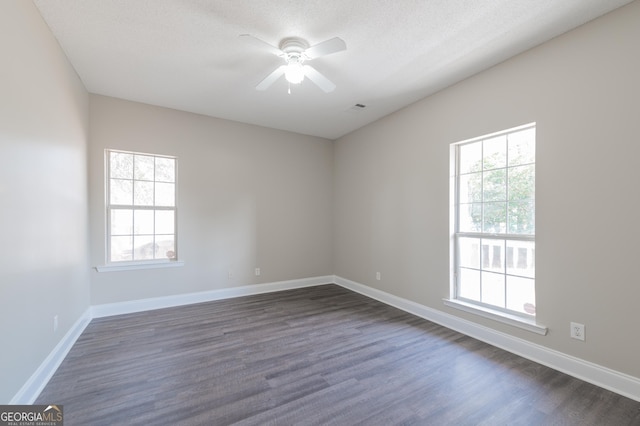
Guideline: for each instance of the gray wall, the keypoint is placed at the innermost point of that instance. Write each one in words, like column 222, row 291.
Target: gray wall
column 43, row 194
column 391, row 202
column 248, row 197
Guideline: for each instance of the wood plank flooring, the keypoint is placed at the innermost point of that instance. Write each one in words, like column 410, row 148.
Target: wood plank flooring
column 312, row 356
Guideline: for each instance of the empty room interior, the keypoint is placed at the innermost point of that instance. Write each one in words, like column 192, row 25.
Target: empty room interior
column 321, row 212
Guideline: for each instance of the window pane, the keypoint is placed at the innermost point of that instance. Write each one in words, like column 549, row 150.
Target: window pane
column 143, row 169
column 121, row 222
column 469, row 284
column 495, row 218
column 493, row 255
column 165, row 222
column 121, row 165
column 470, row 217
column 165, row 169
column 493, row 292
column 495, row 197
column 166, row 247
column 521, row 295
column 143, row 193
column 521, row 217
column 521, row 258
column 522, row 147
column 121, row 248
column 470, row 157
column 470, row 188
column 143, row 232
column 494, row 185
column 144, row 248
column 522, row 183
column 165, row 194
column 494, row 152
column 469, row 252
column 121, row 192
column 143, row 222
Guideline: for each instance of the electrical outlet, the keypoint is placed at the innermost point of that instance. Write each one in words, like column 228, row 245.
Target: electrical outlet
column 378, row 276
column 577, row 331
column 55, row 323
column 257, row 272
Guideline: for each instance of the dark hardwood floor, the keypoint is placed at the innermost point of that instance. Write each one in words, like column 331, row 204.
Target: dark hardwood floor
column 321, row 355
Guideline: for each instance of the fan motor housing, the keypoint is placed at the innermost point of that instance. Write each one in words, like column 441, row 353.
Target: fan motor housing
column 293, row 45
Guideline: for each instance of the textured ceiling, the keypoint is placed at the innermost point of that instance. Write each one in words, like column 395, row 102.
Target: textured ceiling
column 187, row 54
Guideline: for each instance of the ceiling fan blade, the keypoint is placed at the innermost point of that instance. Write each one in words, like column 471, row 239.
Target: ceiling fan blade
column 271, row 78
column 261, row 44
column 327, row 47
column 320, row 80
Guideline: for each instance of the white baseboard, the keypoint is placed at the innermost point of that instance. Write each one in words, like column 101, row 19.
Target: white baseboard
column 39, row 379
column 598, row 375
column 620, row 383
column 32, row 388
column 119, row 308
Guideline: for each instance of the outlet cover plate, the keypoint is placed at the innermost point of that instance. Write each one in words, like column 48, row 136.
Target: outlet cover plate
column 577, row 331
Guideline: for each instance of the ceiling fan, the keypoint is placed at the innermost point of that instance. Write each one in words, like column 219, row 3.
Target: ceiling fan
column 295, row 51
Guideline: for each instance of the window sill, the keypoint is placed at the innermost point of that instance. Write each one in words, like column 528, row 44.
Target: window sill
column 132, row 266
column 513, row 320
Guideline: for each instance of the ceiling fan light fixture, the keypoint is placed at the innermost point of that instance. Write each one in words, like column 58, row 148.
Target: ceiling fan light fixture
column 295, row 52
column 294, row 72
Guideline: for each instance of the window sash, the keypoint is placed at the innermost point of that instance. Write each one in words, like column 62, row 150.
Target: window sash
column 154, row 235
column 483, row 267
column 481, row 236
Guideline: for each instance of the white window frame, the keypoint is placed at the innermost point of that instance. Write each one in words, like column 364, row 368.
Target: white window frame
column 455, row 300
column 120, row 265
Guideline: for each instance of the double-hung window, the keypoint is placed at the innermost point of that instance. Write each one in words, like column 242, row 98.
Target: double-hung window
column 494, row 222
column 141, row 207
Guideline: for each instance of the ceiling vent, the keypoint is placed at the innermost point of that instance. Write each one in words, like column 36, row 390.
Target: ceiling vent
column 357, row 107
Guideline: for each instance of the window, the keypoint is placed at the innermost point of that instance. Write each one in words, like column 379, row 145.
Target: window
column 494, row 221
column 141, row 207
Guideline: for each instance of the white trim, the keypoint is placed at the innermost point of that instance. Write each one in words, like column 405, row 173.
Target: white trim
column 503, row 317
column 132, row 266
column 131, row 306
column 598, row 375
column 39, row 379
column 606, row 378
column 29, row 392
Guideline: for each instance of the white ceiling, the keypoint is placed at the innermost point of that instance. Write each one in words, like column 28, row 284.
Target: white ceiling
column 186, row 54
